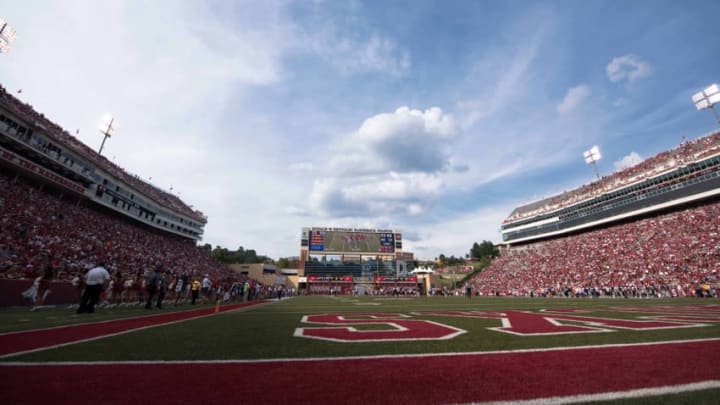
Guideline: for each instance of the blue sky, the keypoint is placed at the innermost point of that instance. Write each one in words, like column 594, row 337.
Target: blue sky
column 434, row 118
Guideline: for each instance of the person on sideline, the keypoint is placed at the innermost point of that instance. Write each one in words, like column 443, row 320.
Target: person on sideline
column 156, row 286
column 95, row 280
column 195, row 290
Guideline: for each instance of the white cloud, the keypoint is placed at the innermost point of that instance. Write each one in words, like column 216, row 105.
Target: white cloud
column 575, row 95
column 301, row 166
column 620, row 102
column 380, row 54
column 456, row 234
column 510, row 69
column 415, row 209
column 627, row 67
column 510, row 122
column 396, row 186
column 407, row 139
column 355, row 54
column 393, row 164
column 630, row 160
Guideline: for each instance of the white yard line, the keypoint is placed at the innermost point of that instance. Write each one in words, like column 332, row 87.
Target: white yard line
column 369, row 357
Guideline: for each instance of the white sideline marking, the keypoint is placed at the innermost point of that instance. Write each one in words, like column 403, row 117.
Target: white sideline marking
column 39, row 349
column 70, row 325
column 607, row 396
column 369, row 357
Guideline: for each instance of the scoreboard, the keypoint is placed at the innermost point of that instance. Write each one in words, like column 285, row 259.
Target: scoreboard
column 351, row 241
column 317, row 240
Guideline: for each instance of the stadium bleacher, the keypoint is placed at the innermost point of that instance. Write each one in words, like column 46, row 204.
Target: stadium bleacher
column 39, row 223
column 687, row 152
column 669, row 254
column 650, row 230
column 28, row 114
column 50, row 216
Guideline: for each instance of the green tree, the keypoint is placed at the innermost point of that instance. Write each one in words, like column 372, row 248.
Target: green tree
column 251, row 256
column 486, row 249
column 221, row 254
column 240, row 255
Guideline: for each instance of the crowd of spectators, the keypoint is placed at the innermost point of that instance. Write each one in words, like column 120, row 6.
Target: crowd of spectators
column 687, row 152
column 675, row 254
column 53, row 131
column 405, row 290
column 41, row 230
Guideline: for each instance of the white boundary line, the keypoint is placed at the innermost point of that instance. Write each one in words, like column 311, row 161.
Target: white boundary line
column 39, row 349
column 607, row 396
column 70, row 325
column 105, row 321
column 374, row 357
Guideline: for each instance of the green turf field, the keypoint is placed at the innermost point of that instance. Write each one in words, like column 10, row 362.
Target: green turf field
column 266, row 331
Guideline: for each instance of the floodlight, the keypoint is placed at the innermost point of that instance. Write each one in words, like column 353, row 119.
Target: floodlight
column 707, row 99
column 702, row 104
column 108, row 124
column 591, row 156
column 7, row 36
column 697, row 97
column 107, row 127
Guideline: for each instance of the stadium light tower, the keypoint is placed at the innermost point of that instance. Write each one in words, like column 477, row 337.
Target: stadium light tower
column 7, row 36
column 707, row 99
column 107, row 126
column 591, row 157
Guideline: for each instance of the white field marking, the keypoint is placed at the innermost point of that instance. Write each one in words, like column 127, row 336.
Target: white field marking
column 356, row 317
column 101, row 322
column 600, row 324
column 371, row 357
column 675, row 318
column 596, row 326
column 392, row 299
column 367, row 303
column 300, row 332
column 39, row 349
column 372, row 319
column 659, row 310
column 575, row 310
column 607, row 396
column 586, row 329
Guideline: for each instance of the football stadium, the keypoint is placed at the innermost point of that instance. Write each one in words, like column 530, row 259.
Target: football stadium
column 606, row 292
column 618, row 315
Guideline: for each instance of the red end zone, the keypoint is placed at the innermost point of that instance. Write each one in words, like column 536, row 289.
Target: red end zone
column 499, row 376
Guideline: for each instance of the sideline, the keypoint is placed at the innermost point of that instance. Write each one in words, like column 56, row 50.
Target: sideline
column 19, row 343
